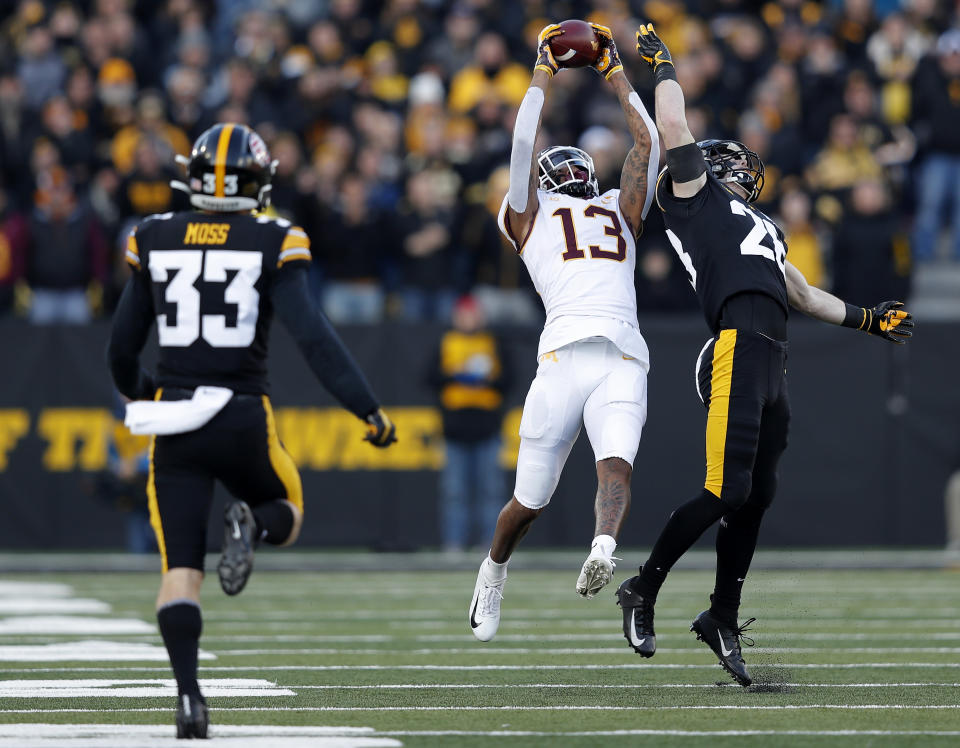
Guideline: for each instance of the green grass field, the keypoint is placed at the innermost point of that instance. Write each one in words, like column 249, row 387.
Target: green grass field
column 842, row 658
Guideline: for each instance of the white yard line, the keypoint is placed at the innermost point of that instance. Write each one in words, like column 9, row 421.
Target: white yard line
column 34, row 589
column 89, row 650
column 31, row 605
column 403, row 686
column 556, row 651
column 895, row 633
column 677, row 733
column 33, row 625
column 771, row 634
column 469, row 668
column 515, row 708
column 311, row 617
column 651, row 686
column 135, row 688
column 161, row 736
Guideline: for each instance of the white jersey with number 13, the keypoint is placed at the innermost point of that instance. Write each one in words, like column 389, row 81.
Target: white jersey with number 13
column 581, row 256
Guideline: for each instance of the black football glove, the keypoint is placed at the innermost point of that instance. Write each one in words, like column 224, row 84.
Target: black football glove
column 380, row 429
column 655, row 53
column 545, row 59
column 608, row 61
column 889, row 321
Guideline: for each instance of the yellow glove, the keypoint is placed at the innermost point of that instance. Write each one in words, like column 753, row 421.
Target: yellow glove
column 608, row 61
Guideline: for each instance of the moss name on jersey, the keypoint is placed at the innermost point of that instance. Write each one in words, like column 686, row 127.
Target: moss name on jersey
column 211, row 278
column 726, row 245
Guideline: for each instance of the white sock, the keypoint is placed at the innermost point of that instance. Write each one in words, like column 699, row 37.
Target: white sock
column 492, row 571
column 605, row 544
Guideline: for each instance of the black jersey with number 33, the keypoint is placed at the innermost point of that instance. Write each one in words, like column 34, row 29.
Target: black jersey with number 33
column 726, row 245
column 211, row 278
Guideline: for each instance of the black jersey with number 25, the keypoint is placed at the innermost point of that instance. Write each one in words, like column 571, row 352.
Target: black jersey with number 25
column 726, row 245
column 211, row 278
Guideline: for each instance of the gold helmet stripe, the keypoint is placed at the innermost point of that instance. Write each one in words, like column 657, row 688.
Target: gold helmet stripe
column 220, row 165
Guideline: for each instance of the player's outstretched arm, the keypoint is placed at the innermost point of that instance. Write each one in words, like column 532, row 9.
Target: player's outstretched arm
column 886, row 319
column 327, row 356
column 640, row 167
column 522, row 201
column 684, row 160
column 131, row 325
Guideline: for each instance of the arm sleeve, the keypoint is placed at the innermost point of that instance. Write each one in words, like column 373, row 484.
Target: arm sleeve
column 131, row 325
column 653, row 161
column 521, row 156
column 320, row 344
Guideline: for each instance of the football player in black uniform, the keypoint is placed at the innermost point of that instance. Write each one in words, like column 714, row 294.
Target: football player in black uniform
column 212, row 279
column 736, row 259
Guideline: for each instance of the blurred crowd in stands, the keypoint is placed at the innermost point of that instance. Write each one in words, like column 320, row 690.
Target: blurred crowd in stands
column 392, row 124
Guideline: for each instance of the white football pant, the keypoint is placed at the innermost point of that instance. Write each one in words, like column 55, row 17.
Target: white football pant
column 589, row 382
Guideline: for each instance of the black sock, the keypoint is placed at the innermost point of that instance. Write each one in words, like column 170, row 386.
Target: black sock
column 274, row 521
column 736, row 542
column 180, row 626
column 682, row 530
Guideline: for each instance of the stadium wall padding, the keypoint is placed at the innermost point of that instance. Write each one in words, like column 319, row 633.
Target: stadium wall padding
column 875, row 435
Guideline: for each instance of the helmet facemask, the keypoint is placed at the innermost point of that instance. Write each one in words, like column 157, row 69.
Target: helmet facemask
column 567, row 170
column 731, row 161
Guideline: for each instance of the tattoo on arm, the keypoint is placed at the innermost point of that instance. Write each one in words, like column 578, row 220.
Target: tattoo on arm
column 633, row 179
column 633, row 184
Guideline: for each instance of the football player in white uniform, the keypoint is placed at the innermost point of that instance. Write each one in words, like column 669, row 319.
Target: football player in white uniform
column 579, row 247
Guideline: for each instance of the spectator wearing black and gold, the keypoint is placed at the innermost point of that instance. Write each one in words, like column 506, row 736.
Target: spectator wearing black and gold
column 13, row 236
column 492, row 75
column 871, row 255
column 471, row 376
column 67, row 253
column 936, row 114
column 146, row 189
column 843, row 161
column 353, row 244
column 428, row 253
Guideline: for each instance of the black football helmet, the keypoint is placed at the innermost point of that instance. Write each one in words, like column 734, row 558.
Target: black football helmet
column 229, row 170
column 732, row 161
column 569, row 170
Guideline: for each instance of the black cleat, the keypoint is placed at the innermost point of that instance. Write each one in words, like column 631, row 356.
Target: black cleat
column 236, row 560
column 192, row 717
column 637, row 618
column 725, row 643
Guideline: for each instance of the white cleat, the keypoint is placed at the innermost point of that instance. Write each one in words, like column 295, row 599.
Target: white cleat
column 596, row 574
column 485, row 607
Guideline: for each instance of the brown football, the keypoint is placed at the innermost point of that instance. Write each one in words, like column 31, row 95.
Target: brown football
column 577, row 46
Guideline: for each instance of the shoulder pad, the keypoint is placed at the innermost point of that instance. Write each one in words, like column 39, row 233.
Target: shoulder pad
column 132, row 253
column 296, row 245
column 282, row 223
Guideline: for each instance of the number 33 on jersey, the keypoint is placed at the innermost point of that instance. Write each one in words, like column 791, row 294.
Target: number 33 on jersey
column 210, row 281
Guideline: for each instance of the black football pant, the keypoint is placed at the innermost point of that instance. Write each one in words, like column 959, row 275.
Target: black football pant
column 748, row 420
column 742, row 380
column 238, row 447
column 741, row 377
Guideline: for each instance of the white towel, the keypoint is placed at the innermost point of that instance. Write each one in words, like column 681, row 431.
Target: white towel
column 176, row 416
